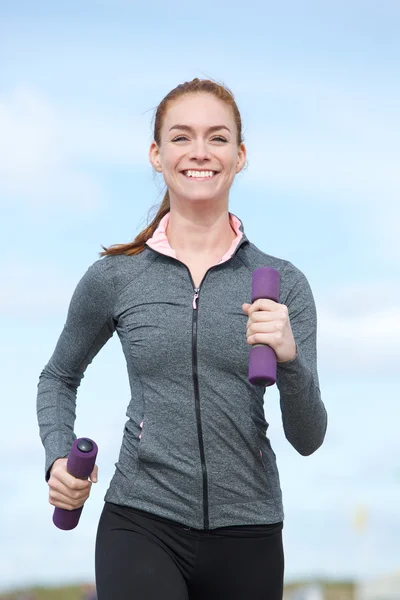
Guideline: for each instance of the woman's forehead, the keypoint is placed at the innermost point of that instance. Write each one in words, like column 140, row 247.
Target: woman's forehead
column 198, row 109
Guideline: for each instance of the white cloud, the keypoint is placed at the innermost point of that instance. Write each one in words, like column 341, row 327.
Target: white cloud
column 110, row 139
column 43, row 151
column 33, row 289
column 368, row 343
column 33, row 163
column 359, row 328
column 332, row 144
column 328, row 168
column 333, row 138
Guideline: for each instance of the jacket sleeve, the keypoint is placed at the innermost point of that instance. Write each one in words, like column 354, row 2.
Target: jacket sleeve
column 88, row 326
column 304, row 416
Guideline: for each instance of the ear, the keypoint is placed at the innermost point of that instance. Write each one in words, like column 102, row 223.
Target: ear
column 154, row 157
column 241, row 160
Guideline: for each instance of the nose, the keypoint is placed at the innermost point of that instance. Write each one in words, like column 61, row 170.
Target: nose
column 199, row 150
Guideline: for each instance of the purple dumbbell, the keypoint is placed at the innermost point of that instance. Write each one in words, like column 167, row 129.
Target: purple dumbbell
column 80, row 464
column 262, row 360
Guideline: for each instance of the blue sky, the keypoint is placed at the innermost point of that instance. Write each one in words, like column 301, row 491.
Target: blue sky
column 318, row 90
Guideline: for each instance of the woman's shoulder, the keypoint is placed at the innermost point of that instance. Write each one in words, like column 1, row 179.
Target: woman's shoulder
column 257, row 259
column 117, row 270
column 293, row 281
column 100, row 269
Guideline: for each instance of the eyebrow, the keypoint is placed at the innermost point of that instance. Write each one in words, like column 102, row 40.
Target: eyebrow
column 213, row 128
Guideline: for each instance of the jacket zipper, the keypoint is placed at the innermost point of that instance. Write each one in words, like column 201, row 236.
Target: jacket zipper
column 196, row 295
column 197, row 406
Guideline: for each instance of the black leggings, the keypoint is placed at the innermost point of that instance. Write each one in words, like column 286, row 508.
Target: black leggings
column 140, row 556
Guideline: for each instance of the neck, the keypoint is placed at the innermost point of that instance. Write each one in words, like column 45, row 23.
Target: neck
column 206, row 234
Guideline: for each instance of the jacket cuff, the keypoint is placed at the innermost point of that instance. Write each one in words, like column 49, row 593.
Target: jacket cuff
column 293, row 376
column 58, row 445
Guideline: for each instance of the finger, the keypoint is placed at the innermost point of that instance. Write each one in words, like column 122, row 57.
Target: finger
column 259, row 316
column 94, row 474
column 65, row 503
column 262, row 304
column 273, row 339
column 60, row 473
column 264, row 327
column 73, row 492
column 56, row 498
column 267, row 326
column 74, row 483
column 68, row 503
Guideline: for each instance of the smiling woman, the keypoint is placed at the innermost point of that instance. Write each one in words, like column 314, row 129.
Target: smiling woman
column 194, row 510
column 199, row 159
column 197, row 139
column 198, row 148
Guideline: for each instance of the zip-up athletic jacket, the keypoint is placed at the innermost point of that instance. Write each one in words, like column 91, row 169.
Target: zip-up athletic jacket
column 194, row 447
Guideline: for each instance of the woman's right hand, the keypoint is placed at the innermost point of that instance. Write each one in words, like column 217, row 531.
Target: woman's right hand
column 66, row 491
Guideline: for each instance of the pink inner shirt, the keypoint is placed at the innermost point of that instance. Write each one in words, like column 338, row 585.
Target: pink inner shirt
column 160, row 243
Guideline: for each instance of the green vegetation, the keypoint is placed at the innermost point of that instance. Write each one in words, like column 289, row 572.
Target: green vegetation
column 40, row 593
column 333, row 590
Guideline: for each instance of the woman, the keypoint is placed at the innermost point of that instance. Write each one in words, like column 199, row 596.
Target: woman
column 194, row 509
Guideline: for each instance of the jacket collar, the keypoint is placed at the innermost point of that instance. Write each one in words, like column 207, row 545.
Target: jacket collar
column 159, row 240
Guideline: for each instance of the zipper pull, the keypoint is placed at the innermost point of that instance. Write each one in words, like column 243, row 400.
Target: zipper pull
column 196, row 295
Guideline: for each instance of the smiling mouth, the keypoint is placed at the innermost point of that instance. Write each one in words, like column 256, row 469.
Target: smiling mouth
column 199, row 175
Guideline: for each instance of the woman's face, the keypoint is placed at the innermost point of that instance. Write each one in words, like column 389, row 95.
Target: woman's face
column 198, row 155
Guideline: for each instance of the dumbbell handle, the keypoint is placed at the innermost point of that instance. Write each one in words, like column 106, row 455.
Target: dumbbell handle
column 80, row 464
column 262, row 359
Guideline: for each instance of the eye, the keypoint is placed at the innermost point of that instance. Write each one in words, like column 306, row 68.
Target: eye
column 216, row 138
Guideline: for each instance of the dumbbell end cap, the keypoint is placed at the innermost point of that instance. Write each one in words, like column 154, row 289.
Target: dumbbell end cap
column 85, row 445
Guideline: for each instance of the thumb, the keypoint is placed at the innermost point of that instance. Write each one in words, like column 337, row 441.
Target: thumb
column 246, row 305
column 93, row 475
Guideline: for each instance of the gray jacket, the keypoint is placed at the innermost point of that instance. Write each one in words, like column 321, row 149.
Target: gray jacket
column 195, row 446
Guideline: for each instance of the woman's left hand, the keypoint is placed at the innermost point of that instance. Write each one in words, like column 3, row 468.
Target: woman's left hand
column 269, row 323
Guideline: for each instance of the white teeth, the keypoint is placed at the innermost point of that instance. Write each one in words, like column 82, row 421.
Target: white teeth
column 199, row 173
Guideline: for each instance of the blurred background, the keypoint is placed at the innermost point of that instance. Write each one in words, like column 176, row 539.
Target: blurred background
column 318, row 88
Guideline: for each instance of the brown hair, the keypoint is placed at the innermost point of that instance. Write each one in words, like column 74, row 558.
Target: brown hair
column 190, row 87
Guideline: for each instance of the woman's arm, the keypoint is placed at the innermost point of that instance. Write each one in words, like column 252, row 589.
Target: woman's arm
column 88, row 326
column 304, row 415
